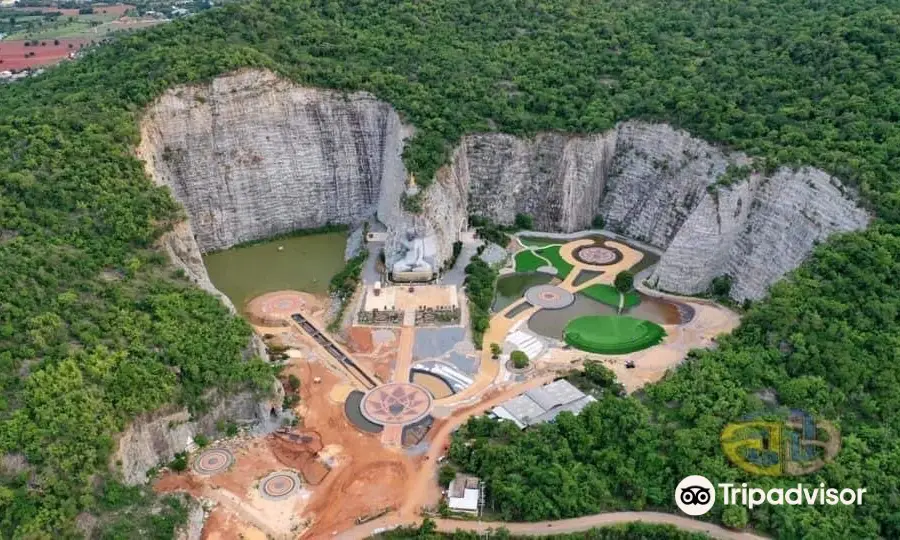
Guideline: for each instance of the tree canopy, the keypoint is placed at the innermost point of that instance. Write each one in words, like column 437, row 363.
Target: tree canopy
column 96, row 328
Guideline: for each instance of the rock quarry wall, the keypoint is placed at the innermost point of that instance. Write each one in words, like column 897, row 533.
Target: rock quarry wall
column 250, row 155
column 660, row 185
column 154, row 439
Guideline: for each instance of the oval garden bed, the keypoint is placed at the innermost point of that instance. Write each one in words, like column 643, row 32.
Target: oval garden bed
column 612, row 334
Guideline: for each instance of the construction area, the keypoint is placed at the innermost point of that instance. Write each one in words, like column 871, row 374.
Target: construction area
column 378, row 401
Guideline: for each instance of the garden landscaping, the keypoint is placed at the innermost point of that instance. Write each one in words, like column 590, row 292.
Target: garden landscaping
column 530, row 260
column 612, row 334
column 609, row 295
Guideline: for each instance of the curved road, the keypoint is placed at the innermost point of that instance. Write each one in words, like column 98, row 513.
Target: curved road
column 562, row 526
column 598, row 520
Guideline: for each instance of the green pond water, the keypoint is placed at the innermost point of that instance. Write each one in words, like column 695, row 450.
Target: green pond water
column 511, row 287
column 551, row 322
column 305, row 264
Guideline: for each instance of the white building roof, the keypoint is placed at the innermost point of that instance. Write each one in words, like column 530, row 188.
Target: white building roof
column 467, row 503
column 543, row 404
column 555, row 394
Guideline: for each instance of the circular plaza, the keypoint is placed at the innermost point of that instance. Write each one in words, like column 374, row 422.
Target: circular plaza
column 549, row 297
column 597, row 255
column 213, row 461
column 396, row 404
column 279, row 485
column 276, row 307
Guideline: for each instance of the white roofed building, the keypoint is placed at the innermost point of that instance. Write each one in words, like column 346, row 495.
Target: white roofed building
column 543, row 404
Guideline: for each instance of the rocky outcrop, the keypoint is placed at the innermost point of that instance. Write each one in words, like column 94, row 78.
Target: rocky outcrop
column 155, row 439
column 756, row 231
column 444, row 213
column 251, row 155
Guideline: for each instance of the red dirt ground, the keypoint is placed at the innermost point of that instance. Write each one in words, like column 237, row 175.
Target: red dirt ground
column 365, row 479
column 368, row 477
column 12, row 53
column 377, row 359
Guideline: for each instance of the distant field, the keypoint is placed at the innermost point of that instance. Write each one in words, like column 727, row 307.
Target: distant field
column 12, row 53
column 112, row 9
column 99, row 24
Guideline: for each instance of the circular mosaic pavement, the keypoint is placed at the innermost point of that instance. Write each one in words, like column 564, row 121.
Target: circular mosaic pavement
column 279, row 485
column 213, row 461
column 396, row 403
column 279, row 304
column 597, row 255
column 549, row 297
column 274, row 308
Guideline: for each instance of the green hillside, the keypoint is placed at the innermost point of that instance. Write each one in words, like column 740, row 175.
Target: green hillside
column 95, row 328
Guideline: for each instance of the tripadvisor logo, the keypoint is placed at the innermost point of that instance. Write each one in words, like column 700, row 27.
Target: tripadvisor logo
column 787, row 443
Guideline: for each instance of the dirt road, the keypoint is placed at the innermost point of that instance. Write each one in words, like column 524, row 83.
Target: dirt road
column 598, row 520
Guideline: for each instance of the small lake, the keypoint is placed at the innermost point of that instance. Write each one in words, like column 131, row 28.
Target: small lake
column 305, row 264
column 511, row 287
column 551, row 322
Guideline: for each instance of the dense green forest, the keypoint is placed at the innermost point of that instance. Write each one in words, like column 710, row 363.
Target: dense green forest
column 95, row 328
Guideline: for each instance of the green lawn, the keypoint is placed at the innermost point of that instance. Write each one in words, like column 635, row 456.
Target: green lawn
column 612, row 334
column 526, row 261
column 610, row 296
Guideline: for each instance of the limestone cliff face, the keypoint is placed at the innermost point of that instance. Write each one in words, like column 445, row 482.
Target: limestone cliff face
column 557, row 179
column 657, row 184
column 251, row 155
column 154, row 440
column 756, row 231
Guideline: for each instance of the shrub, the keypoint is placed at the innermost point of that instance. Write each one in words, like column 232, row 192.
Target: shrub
column 179, row 464
column 598, row 222
column 524, row 221
column 735, row 517
column 480, row 278
column 446, row 475
column 519, row 359
column 201, row 440
column 289, row 401
column 720, row 286
column 293, row 382
column 624, row 281
column 496, row 350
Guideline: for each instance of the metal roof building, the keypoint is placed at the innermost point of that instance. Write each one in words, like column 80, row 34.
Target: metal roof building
column 464, row 493
column 543, row 404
